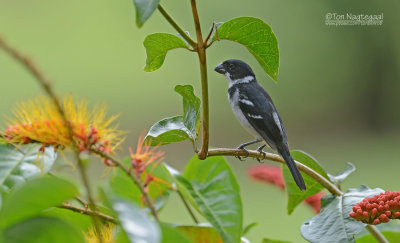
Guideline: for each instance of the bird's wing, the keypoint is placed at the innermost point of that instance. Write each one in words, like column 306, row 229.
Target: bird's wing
column 261, row 113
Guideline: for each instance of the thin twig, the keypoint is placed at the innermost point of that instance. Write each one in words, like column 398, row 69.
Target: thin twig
column 214, row 25
column 201, row 51
column 188, row 207
column 89, row 212
column 176, row 26
column 46, row 85
column 134, row 178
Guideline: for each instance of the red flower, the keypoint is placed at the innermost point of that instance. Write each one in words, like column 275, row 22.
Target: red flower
column 273, row 175
column 378, row 209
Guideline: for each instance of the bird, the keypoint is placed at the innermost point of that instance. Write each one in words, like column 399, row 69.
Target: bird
column 256, row 112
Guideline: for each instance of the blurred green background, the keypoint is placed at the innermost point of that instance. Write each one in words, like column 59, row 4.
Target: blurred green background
column 338, row 91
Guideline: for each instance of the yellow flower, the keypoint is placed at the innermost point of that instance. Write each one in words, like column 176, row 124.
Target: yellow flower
column 105, row 231
column 38, row 121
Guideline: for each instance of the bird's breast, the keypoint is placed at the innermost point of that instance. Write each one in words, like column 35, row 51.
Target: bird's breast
column 234, row 96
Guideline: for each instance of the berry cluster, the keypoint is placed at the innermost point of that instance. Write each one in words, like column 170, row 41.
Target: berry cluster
column 378, row 209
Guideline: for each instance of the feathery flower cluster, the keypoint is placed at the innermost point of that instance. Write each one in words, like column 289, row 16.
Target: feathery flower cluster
column 39, row 121
column 106, row 232
column 143, row 162
column 273, row 175
column 378, row 209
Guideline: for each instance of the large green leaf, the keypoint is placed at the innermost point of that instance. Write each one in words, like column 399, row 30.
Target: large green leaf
column 217, row 195
column 257, row 37
column 122, row 185
column 134, row 221
column 200, row 234
column 81, row 221
column 157, row 45
column 178, row 128
column 144, row 9
column 191, row 109
column 18, row 165
column 179, row 183
column 334, row 224
column 295, row 195
column 34, row 197
column 171, row 234
column 43, row 230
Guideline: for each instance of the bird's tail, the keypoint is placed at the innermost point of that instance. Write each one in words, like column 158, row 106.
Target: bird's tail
column 292, row 167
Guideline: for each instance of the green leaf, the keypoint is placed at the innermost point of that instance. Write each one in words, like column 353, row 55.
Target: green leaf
column 43, row 230
column 216, row 194
column 257, row 37
column 81, row 221
column 191, row 109
column 172, row 234
column 265, row 240
column 122, row 185
column 134, row 221
column 34, row 197
column 144, row 9
column 392, row 237
column 200, row 234
column 157, row 45
column 180, row 183
column 168, row 130
column 249, row 227
column 295, row 195
column 334, row 224
column 178, row 128
column 341, row 176
column 19, row 165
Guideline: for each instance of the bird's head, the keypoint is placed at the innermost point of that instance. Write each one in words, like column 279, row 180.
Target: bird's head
column 234, row 69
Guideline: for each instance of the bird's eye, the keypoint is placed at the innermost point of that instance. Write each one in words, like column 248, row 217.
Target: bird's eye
column 231, row 66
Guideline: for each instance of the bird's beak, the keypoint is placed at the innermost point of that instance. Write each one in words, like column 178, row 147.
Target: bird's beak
column 220, row 69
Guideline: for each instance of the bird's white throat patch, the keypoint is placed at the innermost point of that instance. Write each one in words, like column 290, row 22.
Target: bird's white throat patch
column 244, row 80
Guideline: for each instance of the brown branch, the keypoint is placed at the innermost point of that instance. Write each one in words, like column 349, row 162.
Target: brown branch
column 201, row 51
column 46, row 85
column 274, row 157
column 134, row 178
column 89, row 212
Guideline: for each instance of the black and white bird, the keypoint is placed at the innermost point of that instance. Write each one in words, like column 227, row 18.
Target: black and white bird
column 255, row 110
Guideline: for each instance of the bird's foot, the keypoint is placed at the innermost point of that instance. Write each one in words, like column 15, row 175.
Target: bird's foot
column 241, row 147
column 260, row 150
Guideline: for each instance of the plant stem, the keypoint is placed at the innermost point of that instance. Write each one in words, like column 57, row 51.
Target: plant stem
column 134, row 178
column 376, row 233
column 176, row 26
column 46, row 85
column 201, row 51
column 89, row 212
column 274, row 157
column 188, row 207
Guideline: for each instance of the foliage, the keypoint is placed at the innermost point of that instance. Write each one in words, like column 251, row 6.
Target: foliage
column 36, row 206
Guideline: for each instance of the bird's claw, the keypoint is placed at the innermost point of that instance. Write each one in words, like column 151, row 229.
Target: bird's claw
column 260, row 150
column 245, row 150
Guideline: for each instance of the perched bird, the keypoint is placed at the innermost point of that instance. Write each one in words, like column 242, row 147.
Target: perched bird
column 256, row 112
